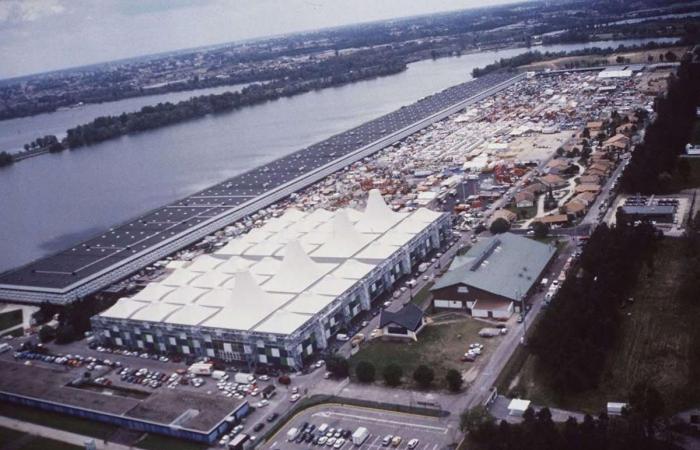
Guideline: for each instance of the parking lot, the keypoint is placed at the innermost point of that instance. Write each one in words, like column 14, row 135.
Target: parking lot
column 431, row 433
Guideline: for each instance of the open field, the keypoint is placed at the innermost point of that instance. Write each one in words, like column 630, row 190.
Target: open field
column 638, row 57
column 17, row 440
column 654, row 344
column 440, row 346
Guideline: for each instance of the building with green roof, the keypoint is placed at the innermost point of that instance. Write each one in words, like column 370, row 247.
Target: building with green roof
column 493, row 277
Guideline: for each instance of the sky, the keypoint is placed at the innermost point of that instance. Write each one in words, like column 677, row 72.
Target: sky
column 42, row 35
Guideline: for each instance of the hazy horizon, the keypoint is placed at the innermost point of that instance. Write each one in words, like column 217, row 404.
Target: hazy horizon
column 38, row 36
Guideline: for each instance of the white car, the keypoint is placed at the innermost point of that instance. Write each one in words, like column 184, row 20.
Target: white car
column 413, row 443
column 339, row 443
column 320, row 363
column 264, row 378
column 294, row 398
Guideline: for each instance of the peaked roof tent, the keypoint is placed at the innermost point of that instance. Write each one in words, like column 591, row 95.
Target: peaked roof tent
column 234, row 265
column 297, row 271
column 180, row 277
column 378, row 217
column 192, row 314
column 153, row 292
column 345, row 240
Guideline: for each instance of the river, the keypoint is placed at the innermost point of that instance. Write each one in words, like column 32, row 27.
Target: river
column 52, row 201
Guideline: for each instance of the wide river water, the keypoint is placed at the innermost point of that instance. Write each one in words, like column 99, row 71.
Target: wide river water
column 50, row 202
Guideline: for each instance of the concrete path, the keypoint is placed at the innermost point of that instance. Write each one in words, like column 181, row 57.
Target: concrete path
column 58, row 435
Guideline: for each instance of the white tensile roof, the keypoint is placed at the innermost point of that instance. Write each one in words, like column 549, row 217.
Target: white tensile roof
column 124, row 308
column 204, row 263
column 345, row 240
column 153, row 292
column 180, row 277
column 235, row 247
column 193, row 314
column 353, row 269
column 154, row 312
column 398, row 238
column 377, row 252
column 297, row 271
column 378, row 217
column 334, row 286
column 217, row 297
column 184, row 295
column 266, row 248
column 309, row 303
column 210, row 280
column 282, row 322
column 274, row 279
column 266, row 266
column 235, row 264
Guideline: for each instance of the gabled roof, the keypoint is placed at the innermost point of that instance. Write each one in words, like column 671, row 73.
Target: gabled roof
column 506, row 265
column 409, row 317
column 378, row 217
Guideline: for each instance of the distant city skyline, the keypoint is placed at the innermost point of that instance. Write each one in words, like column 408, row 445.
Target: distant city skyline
column 44, row 35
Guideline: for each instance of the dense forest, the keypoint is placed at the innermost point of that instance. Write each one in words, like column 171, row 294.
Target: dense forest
column 538, row 431
column 653, row 161
column 581, row 324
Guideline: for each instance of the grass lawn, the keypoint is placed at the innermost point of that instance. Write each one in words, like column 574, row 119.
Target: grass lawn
column 654, row 344
column 23, row 441
column 678, row 183
column 440, row 346
column 421, row 296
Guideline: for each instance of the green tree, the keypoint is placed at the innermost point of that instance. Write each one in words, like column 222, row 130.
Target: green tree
column 392, row 374
column 477, row 422
column 499, row 226
column 454, row 380
column 365, row 371
column 338, row 366
column 46, row 333
column 646, row 402
column 541, row 229
column 684, row 168
column 424, row 376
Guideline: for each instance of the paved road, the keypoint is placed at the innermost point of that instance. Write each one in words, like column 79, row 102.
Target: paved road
column 58, row 435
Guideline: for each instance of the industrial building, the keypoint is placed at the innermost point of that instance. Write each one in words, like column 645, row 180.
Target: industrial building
column 493, row 277
column 278, row 294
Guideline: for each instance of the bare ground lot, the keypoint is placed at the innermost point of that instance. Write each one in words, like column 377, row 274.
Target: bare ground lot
column 639, row 57
column 440, row 346
column 654, row 344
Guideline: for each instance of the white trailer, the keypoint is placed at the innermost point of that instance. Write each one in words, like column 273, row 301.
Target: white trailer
column 242, row 377
column 359, row 436
column 201, row 368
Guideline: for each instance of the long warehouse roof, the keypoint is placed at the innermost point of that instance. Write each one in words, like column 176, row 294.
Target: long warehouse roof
column 114, row 247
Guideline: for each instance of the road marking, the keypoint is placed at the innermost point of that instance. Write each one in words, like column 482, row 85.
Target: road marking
column 394, row 422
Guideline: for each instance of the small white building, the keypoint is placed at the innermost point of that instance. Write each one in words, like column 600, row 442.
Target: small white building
column 405, row 323
column 616, row 408
column 518, row 406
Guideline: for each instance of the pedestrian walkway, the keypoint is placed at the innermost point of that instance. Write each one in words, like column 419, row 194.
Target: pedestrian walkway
column 58, row 435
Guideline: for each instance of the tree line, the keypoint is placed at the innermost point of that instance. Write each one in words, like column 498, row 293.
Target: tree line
column 538, row 431
column 334, row 72
column 581, row 324
column 652, row 165
column 536, row 56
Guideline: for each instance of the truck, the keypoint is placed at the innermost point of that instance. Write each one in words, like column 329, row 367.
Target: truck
column 360, row 436
column 201, row 368
column 244, row 378
column 292, row 434
column 237, row 442
column 219, row 375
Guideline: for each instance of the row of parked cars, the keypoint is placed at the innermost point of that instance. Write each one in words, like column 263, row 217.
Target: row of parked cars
column 88, row 362
column 321, row 436
column 146, row 377
column 135, row 354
